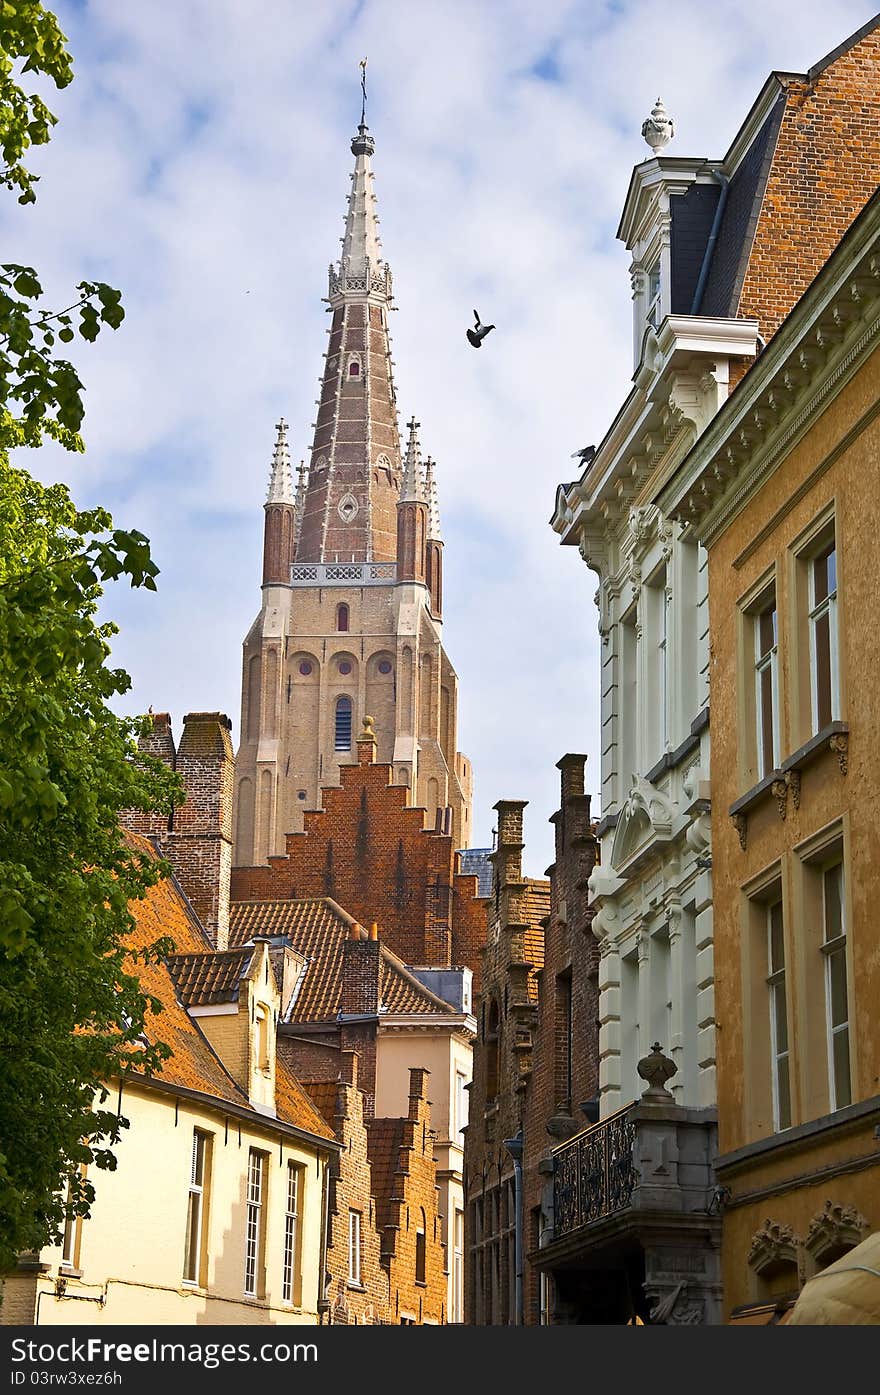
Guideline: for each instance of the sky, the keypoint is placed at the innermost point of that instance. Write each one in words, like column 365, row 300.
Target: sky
column 201, row 163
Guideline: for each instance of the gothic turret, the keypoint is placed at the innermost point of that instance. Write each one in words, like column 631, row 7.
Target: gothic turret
column 279, row 529
column 412, row 513
column 434, row 547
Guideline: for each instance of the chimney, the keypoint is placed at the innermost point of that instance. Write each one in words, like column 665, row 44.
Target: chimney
column 200, row 842
column 360, row 976
column 507, row 857
column 158, row 743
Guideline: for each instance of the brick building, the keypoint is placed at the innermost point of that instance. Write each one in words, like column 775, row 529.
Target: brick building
column 352, row 600
column 536, row 1057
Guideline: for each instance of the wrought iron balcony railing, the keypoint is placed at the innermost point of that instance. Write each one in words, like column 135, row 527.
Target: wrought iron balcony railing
column 343, row 573
column 593, row 1173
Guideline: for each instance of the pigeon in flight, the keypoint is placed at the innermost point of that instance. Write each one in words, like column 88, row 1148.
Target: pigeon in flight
column 478, row 334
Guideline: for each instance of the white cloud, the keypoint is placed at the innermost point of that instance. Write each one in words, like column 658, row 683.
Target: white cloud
column 201, row 163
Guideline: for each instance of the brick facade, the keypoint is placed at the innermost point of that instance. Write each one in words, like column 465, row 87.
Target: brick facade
column 536, row 1055
column 368, row 849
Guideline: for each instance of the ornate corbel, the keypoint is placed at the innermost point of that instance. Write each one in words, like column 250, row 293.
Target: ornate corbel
column 779, row 790
column 839, row 743
column 741, row 824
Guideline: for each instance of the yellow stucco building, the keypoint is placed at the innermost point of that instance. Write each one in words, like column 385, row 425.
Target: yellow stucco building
column 782, row 490
column 216, row 1210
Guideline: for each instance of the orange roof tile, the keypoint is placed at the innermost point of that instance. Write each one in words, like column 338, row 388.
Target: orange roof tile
column 323, row 1094
column 294, row 1106
column 209, row 978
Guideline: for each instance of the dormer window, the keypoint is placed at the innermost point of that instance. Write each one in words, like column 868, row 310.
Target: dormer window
column 262, row 1043
column 654, row 315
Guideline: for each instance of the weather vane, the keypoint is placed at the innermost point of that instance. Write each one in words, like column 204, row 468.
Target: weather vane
column 363, row 68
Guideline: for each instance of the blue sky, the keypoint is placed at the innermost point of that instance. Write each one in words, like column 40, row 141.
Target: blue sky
column 201, row 164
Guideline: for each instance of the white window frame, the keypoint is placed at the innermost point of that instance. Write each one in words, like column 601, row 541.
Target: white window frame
column 458, row 1266
column 461, row 1105
column 291, row 1227
column 763, row 661
column 195, row 1211
column 776, row 979
column 256, row 1178
column 337, row 713
column 831, row 948
column 654, row 294
column 817, row 611
column 354, row 1247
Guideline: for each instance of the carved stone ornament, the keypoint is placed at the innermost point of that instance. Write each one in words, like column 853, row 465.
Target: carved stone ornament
column 656, row 1069
column 741, row 824
column 779, row 790
column 347, row 507
column 839, row 743
column 658, row 128
column 834, row 1229
column 772, row 1247
column 674, row 1309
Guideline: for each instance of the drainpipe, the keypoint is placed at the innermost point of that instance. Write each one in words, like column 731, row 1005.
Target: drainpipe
column 710, row 245
column 514, row 1147
column 323, row 1276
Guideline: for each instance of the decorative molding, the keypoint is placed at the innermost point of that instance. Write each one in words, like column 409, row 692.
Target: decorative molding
column 773, row 1246
column 839, row 743
column 835, row 1228
column 741, row 824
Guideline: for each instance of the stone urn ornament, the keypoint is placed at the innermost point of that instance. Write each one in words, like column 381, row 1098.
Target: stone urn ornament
column 658, row 128
column 656, row 1069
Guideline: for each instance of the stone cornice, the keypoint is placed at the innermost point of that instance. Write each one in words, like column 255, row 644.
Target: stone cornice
column 818, row 348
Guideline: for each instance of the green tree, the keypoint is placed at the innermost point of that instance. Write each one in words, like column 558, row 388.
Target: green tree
column 71, row 1007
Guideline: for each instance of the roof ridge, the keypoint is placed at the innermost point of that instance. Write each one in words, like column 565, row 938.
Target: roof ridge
column 407, row 973
column 841, row 49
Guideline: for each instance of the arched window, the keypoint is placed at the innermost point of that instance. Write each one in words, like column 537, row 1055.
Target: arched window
column 492, row 1053
column 342, row 617
column 421, row 1248
column 354, row 368
column 342, row 741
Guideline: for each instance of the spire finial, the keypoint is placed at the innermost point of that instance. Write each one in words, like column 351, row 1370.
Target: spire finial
column 434, row 534
column 363, row 143
column 363, row 68
column 412, row 486
column 280, row 478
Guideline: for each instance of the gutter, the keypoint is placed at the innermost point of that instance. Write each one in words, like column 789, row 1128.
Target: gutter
column 236, row 1111
column 710, row 245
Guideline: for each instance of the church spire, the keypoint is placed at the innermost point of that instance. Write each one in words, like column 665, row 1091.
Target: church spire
column 349, row 512
column 280, row 478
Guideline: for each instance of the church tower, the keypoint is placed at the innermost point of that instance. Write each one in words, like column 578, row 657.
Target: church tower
column 351, row 616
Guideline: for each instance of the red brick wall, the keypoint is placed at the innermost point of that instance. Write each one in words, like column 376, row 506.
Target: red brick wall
column 370, row 851
column 825, row 168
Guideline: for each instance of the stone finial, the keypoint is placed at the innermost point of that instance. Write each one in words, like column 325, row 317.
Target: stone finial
column 656, row 1069
column 658, row 128
column 366, row 743
column 368, row 733
column 412, row 486
column 280, row 478
column 434, row 533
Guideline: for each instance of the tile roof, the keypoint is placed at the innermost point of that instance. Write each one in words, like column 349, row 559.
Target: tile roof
column 323, row 1094
column 317, row 929
column 215, row 977
column 194, row 1065
column 294, row 1106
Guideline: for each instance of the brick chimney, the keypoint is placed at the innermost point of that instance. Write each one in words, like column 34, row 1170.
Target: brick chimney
column 196, row 836
column 361, row 965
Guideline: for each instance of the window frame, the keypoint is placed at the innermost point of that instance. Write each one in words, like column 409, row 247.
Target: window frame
column 766, row 660
column 290, row 1266
column 355, row 1247
column 832, row 949
column 817, row 610
column 421, row 1248
column 255, row 1224
column 777, row 978
column 340, row 710
column 195, row 1261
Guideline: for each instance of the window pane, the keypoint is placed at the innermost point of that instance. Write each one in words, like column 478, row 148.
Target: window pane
column 832, row 569
column 343, row 725
column 778, row 991
column 833, row 888
column 767, row 752
column 193, row 1221
column 822, row 642
column 820, row 578
column 842, row 1092
column 767, row 630
column 837, row 1007
column 783, row 1093
column 777, row 939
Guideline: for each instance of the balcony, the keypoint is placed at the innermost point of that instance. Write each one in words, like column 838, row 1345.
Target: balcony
column 343, row 574
column 593, row 1173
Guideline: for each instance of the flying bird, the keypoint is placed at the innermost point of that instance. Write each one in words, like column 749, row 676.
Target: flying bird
column 478, row 334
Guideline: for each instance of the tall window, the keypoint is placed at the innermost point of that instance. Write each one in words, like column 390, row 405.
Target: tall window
column 255, row 1224
column 458, row 1268
column 196, row 1212
column 342, row 737
column 836, row 1007
column 663, row 662
column 823, row 637
column 767, row 688
column 72, row 1239
column 262, row 1038
column 563, row 1041
column 291, row 1225
column 342, row 617
column 461, row 1105
column 654, row 289
column 492, row 1052
column 354, row 1247
column 779, row 1061
column 421, row 1248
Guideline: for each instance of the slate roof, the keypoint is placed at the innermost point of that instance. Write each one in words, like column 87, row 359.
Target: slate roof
column 317, row 929
column 474, row 862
